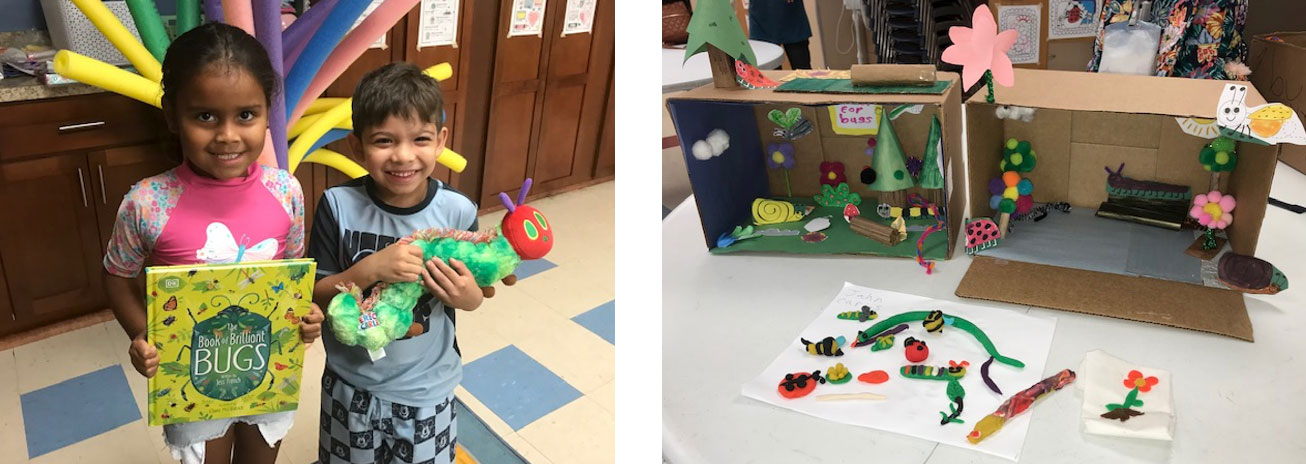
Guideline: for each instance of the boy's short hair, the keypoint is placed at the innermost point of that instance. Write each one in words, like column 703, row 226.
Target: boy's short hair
column 397, row 89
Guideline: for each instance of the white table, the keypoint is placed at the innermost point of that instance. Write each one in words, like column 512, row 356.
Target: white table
column 725, row 318
column 678, row 74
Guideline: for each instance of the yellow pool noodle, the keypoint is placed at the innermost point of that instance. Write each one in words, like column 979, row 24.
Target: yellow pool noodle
column 322, row 104
column 108, row 24
column 336, row 160
column 91, row 71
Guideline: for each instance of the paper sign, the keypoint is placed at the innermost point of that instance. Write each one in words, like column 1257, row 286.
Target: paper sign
column 1268, row 124
column 526, row 18
column 1072, row 19
column 1025, row 19
column 912, row 406
column 380, row 41
column 438, row 24
column 579, row 18
column 855, row 119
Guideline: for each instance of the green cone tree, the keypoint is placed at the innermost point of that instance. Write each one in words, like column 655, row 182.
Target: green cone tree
column 889, row 163
column 932, row 172
column 714, row 23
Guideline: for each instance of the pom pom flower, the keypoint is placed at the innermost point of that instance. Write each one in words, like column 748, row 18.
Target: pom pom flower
column 1219, row 156
column 1213, row 209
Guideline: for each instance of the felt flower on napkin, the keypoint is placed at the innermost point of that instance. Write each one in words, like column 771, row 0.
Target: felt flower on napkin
column 980, row 49
column 1213, row 209
column 1143, row 384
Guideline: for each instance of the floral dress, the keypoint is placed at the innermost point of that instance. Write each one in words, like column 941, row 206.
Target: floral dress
column 1198, row 37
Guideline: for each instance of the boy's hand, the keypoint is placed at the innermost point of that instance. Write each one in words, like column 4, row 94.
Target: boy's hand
column 399, row 262
column 455, row 286
column 310, row 326
column 144, row 357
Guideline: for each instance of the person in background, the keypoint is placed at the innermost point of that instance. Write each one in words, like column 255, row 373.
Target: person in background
column 784, row 23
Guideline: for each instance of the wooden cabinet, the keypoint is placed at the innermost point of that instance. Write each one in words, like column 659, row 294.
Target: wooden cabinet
column 60, row 189
column 516, row 107
column 51, row 246
column 115, row 170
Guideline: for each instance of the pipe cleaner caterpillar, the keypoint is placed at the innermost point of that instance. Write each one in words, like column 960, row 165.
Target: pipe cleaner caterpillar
column 491, row 256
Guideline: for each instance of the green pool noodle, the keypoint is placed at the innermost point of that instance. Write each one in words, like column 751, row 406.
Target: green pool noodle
column 188, row 15
column 150, row 26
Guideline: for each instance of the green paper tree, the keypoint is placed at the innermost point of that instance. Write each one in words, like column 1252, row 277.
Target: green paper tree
column 932, row 172
column 714, row 23
column 889, row 163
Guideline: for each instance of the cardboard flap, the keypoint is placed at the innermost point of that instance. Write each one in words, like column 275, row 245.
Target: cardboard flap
column 1142, row 299
column 1119, row 93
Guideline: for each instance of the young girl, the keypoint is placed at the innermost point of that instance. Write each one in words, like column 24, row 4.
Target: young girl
column 217, row 86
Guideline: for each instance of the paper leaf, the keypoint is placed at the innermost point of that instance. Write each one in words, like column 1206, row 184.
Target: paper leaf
column 714, row 23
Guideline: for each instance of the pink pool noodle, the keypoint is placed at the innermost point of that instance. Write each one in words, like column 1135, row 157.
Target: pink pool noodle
column 353, row 46
column 268, row 157
column 239, row 13
column 267, row 24
column 295, row 37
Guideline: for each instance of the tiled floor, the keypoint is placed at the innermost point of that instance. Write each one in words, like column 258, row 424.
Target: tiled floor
column 539, row 368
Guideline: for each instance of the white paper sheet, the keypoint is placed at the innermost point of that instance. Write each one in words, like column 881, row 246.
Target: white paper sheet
column 438, row 24
column 526, row 18
column 1026, row 20
column 1070, row 19
column 579, row 18
column 913, row 406
column 380, row 41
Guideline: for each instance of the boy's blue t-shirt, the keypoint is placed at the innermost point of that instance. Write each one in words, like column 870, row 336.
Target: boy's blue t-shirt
column 352, row 223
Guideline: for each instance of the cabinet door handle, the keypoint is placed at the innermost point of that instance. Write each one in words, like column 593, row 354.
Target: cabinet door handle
column 81, row 182
column 103, row 197
column 80, row 127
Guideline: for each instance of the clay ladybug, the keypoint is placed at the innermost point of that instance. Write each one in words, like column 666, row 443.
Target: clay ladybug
column 799, row 384
column 981, row 234
column 915, row 350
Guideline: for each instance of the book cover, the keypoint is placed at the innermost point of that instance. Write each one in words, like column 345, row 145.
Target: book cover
column 228, row 338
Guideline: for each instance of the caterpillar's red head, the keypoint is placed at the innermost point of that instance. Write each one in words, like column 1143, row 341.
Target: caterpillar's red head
column 525, row 227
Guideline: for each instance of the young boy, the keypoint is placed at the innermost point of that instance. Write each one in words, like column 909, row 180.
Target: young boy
column 399, row 406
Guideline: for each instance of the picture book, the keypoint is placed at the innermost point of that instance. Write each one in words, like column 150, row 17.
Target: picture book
column 228, row 338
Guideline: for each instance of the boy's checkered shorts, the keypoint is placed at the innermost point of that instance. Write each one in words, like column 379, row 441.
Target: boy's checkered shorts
column 357, row 428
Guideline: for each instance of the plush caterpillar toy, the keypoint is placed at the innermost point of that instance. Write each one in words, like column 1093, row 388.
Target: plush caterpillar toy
column 491, row 256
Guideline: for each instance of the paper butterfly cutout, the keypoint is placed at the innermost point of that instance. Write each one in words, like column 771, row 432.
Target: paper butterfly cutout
column 221, row 247
column 1267, row 124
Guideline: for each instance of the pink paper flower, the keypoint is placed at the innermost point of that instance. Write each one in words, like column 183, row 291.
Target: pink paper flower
column 981, row 49
column 1213, row 209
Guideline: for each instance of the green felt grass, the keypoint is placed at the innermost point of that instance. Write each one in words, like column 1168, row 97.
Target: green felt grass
column 841, row 239
column 810, row 85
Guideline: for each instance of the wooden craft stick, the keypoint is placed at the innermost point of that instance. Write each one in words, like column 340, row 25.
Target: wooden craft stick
column 850, row 396
column 892, row 74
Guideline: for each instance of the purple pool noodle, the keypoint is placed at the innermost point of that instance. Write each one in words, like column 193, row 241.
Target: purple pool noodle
column 296, row 36
column 984, row 374
column 212, row 11
column 334, row 28
column 267, row 28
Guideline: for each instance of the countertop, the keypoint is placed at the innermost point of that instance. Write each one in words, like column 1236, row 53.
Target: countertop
column 20, row 89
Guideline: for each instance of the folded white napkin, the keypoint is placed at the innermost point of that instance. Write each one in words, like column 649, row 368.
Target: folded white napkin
column 1108, row 381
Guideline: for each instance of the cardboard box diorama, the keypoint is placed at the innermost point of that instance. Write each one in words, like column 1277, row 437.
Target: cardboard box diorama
column 1130, row 155
column 824, row 173
column 1278, row 62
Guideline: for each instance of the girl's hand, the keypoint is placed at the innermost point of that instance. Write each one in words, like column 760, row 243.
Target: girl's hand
column 310, row 326
column 399, row 262
column 455, row 286
column 144, row 357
